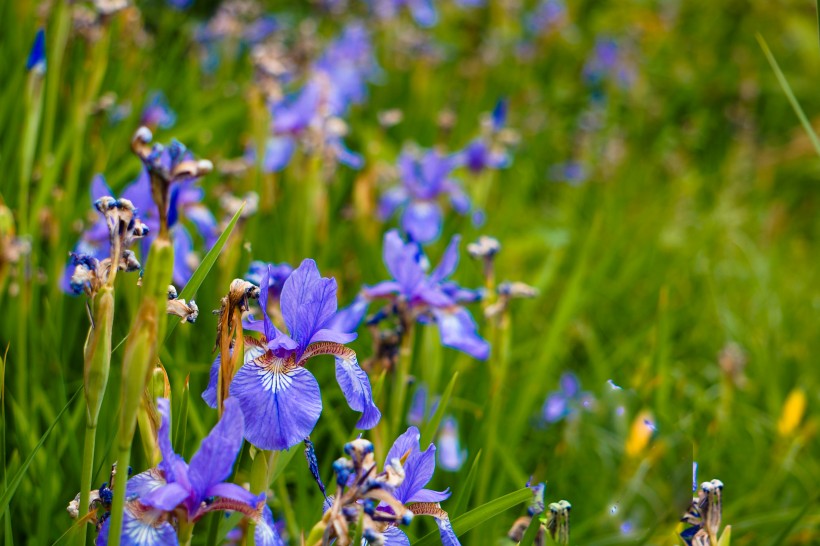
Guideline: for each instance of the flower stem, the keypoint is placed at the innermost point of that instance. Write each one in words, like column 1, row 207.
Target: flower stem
column 85, row 479
column 115, row 528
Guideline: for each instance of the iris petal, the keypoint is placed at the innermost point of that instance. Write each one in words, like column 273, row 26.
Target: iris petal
column 281, row 405
column 422, row 220
column 213, row 462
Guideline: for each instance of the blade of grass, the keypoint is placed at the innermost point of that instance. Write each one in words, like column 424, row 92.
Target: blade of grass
column 789, row 94
column 467, row 487
column 479, row 515
column 430, row 429
column 8, row 493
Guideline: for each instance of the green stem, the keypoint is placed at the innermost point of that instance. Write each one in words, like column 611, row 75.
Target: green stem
column 85, row 479
column 259, row 483
column 123, row 460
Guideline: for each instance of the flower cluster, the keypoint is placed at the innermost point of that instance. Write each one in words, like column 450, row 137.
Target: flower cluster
column 279, row 397
column 382, row 501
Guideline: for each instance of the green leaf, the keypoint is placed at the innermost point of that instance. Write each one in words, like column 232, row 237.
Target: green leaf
column 430, row 429
column 281, row 461
column 475, row 517
column 531, row 533
column 14, row 483
column 789, row 94
column 726, row 538
column 205, row 267
column 467, row 487
column 182, row 422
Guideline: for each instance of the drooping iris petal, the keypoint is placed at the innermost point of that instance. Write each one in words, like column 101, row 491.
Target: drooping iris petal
column 448, row 536
column 459, row 331
column 400, row 260
column 393, row 536
column 253, row 349
column 422, row 221
column 428, row 495
column 281, row 406
column 356, row 387
column 332, row 335
column 140, row 529
column 265, row 533
column 308, row 302
column 235, row 492
column 349, row 318
column 214, row 460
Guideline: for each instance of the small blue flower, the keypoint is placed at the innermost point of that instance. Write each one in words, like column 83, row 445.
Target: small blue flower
column 565, row 401
column 425, row 179
column 279, row 397
column 157, row 112
column 37, row 56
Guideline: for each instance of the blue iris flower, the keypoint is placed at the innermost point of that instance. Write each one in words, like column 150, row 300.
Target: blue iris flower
column 279, row 397
column 37, row 56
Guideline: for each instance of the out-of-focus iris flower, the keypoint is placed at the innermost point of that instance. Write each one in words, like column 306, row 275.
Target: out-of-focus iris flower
column 198, row 488
column 311, row 116
column 423, row 12
column 280, row 399
column 37, row 56
column 426, row 295
column 608, row 63
column 450, row 454
column 547, row 16
column 567, row 400
column 424, row 179
column 277, row 275
column 157, row 112
column 487, row 151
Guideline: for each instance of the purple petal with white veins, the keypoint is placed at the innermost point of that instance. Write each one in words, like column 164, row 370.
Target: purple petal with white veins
column 265, row 533
column 393, row 536
column 448, row 536
column 139, row 532
column 143, row 483
column 308, row 302
column 418, row 471
column 422, row 221
column 459, row 331
column 214, row 460
column 281, row 407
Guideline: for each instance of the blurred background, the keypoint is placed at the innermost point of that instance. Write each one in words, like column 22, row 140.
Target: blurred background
column 658, row 191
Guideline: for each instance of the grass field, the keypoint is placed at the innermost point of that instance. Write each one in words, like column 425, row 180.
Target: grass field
column 652, row 181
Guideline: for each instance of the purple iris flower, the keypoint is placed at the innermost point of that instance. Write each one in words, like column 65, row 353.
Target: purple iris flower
column 566, row 400
column 424, row 179
column 418, row 467
column 608, row 62
column 37, row 56
column 423, row 12
column 197, row 488
column 450, row 455
column 277, row 275
column 486, row 151
column 157, row 112
column 279, row 397
column 428, row 296
column 546, row 16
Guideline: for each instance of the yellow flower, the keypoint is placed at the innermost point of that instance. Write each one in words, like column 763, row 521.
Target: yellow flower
column 640, row 433
column 793, row 410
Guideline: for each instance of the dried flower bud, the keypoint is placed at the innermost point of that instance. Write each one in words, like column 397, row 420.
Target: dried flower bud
column 188, row 311
column 485, row 247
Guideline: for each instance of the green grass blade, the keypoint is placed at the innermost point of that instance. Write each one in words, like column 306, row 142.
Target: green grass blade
column 466, row 489
column 475, row 517
column 205, row 266
column 430, row 429
column 531, row 533
column 8, row 493
column 789, row 94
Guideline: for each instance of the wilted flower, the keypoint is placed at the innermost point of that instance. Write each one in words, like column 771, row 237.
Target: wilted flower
column 424, row 180
column 279, row 397
column 189, row 311
column 157, row 495
column 558, row 521
column 704, row 515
